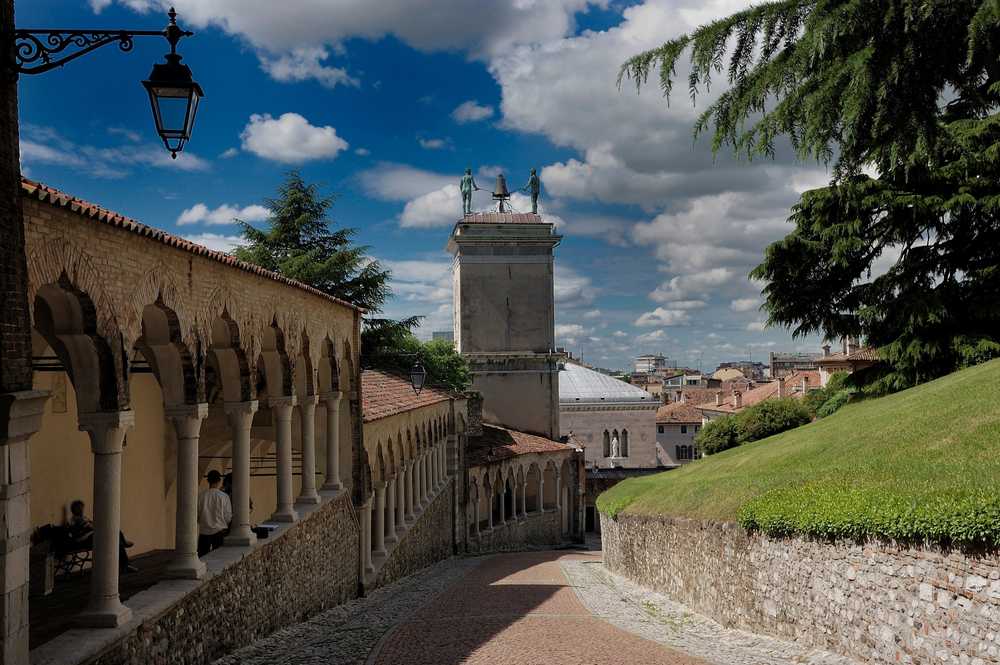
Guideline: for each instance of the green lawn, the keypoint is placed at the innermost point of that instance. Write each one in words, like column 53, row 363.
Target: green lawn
column 921, row 464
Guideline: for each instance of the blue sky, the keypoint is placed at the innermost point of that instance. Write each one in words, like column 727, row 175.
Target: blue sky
column 386, row 103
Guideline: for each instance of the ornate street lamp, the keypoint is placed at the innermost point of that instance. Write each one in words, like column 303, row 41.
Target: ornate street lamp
column 418, row 375
column 173, row 93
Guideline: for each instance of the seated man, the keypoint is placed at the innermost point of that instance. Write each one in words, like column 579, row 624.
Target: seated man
column 215, row 511
column 81, row 532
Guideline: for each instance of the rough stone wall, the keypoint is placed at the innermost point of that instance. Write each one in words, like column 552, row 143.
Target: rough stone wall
column 537, row 531
column 427, row 542
column 875, row 602
column 311, row 567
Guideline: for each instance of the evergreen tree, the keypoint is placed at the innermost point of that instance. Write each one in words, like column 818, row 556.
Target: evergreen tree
column 907, row 90
column 299, row 244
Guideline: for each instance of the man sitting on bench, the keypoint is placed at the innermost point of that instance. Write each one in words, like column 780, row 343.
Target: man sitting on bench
column 81, row 531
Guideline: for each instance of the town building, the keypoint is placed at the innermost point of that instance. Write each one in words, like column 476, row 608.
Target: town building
column 734, row 400
column 783, row 364
column 677, row 423
column 156, row 360
column 755, row 371
column 650, row 364
column 443, row 335
column 852, row 358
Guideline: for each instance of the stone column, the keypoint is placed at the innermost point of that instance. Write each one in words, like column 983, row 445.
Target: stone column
column 439, row 464
column 332, row 403
column 240, row 416
column 378, row 547
column 418, row 483
column 558, row 494
column 107, row 432
column 366, row 538
column 187, row 419
column 524, row 497
column 503, row 503
column 541, row 491
column 476, row 510
column 281, row 410
column 489, row 511
column 20, row 417
column 307, row 416
column 401, row 502
column 425, row 484
column 410, row 516
column 390, row 512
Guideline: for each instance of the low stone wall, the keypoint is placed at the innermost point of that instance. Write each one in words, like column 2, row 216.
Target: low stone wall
column 312, row 566
column 536, row 531
column 427, row 541
column 875, row 602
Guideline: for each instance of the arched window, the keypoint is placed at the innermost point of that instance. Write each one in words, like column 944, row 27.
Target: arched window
column 624, row 443
column 607, row 444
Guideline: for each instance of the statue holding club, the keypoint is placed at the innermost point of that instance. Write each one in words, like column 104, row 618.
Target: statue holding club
column 534, row 187
column 467, row 186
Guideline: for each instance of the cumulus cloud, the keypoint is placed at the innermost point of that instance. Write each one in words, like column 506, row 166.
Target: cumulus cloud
column 593, row 314
column 229, row 153
column 432, row 144
column 662, row 316
column 682, row 287
column 571, row 287
column 305, row 63
column 744, row 304
column 571, row 330
column 656, row 336
column 362, row 152
column 218, row 242
column 757, row 326
column 471, row 111
column 224, row 214
column 290, row 139
column 399, row 182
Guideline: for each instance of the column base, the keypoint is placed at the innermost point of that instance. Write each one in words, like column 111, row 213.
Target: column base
column 400, row 530
column 240, row 539
column 309, row 499
column 113, row 615
column 188, row 568
column 286, row 515
column 332, row 487
column 391, row 540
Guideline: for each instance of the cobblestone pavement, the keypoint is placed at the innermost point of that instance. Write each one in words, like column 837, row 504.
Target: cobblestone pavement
column 655, row 617
column 518, row 609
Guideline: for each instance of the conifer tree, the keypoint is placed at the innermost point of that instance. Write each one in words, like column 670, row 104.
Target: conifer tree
column 901, row 98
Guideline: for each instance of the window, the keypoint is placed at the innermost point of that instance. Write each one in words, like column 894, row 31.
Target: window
column 607, row 444
column 624, row 443
column 684, row 429
column 696, row 428
column 659, row 429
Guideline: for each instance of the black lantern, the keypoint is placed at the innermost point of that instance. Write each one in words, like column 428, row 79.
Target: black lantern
column 173, row 93
column 417, row 377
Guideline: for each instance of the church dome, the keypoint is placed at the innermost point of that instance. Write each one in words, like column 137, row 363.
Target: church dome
column 579, row 384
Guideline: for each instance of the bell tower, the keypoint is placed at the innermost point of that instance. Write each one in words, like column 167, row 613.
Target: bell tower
column 505, row 315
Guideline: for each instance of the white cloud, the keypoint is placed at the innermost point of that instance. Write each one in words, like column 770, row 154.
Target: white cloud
column 471, row 111
column 220, row 243
column 133, row 136
column 304, row 63
column 744, row 304
column 757, row 326
column 571, row 330
column 572, row 288
column 593, row 314
column 619, row 333
column 229, row 153
column 650, row 338
column 224, row 214
column 663, row 317
column 442, row 207
column 432, row 144
column 290, row 139
column 399, row 182
column 682, row 287
column 362, row 152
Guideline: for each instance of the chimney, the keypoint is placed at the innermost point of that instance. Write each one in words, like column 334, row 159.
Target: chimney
column 852, row 344
column 738, row 399
column 843, row 344
column 474, row 402
column 782, row 391
column 805, row 384
column 826, row 350
column 679, row 396
column 718, row 398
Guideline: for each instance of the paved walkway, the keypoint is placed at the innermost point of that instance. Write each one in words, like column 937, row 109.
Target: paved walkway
column 518, row 609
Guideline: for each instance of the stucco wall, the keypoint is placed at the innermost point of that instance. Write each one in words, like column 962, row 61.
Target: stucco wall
column 588, row 425
column 309, row 568
column 671, row 437
column 875, row 602
column 522, row 394
column 426, row 542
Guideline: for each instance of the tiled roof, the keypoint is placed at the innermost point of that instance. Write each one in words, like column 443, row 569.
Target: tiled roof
column 499, row 443
column 384, row 394
column 55, row 197
column 764, row 392
column 868, row 353
column 679, row 412
column 502, row 218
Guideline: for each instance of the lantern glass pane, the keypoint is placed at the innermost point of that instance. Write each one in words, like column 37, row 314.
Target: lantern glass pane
column 173, row 113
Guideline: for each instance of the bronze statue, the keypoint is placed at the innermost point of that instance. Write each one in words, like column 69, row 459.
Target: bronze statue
column 468, row 185
column 533, row 187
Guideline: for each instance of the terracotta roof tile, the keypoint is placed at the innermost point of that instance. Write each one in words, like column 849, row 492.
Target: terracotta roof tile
column 93, row 211
column 764, row 392
column 384, row 394
column 502, row 218
column 499, row 443
column 679, row 412
column 868, row 353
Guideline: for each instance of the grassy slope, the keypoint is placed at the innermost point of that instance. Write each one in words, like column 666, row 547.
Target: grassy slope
column 924, row 462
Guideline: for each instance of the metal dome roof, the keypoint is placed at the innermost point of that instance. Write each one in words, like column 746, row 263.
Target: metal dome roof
column 579, row 384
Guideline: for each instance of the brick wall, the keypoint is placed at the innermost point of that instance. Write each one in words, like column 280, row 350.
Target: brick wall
column 426, row 542
column 312, row 567
column 15, row 331
column 874, row 602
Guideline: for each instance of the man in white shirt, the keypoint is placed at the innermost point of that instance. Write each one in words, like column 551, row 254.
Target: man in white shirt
column 215, row 511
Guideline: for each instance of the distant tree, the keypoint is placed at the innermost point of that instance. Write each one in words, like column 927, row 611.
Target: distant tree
column 907, row 90
column 299, row 243
column 445, row 367
column 771, row 417
column 717, row 435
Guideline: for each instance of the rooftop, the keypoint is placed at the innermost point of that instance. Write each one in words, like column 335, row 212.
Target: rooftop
column 384, row 394
column 868, row 353
column 59, row 199
column 679, row 412
column 765, row 392
column 498, row 443
column 579, row 384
